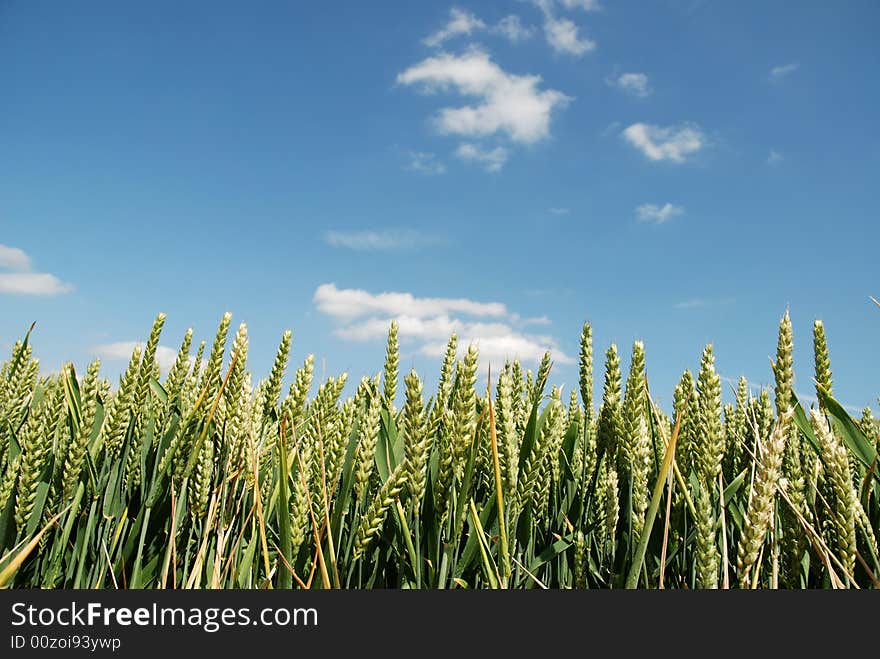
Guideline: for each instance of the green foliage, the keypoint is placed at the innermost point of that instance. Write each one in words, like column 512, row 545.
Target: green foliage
column 209, row 477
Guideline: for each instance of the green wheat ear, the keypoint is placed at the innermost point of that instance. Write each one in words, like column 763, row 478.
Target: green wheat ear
column 505, row 422
column 710, row 448
column 760, row 508
column 707, row 556
column 635, row 444
column 416, row 439
column 273, row 385
column 147, row 363
column 117, row 419
column 73, row 462
column 783, row 367
column 822, row 360
column 210, row 381
column 464, row 419
column 869, row 426
column 840, row 519
column 686, row 407
column 392, row 361
column 611, row 411
column 586, row 371
column 234, row 443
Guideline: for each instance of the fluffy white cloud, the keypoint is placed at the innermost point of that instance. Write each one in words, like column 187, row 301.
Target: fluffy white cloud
column 425, row 163
column 13, row 258
column 512, row 29
column 492, row 159
column 635, row 84
column 506, row 103
column 562, row 35
column 381, row 239
column 657, row 214
column 21, row 281
column 121, row 351
column 429, row 322
column 460, row 23
column 777, row 73
column 673, row 143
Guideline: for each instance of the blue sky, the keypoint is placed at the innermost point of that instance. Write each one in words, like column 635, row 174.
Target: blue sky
column 674, row 171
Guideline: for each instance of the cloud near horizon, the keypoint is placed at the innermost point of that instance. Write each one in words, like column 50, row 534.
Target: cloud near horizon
column 121, row 351
column 429, row 322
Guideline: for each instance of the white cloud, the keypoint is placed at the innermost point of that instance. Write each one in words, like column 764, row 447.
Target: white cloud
column 586, row 5
column 562, row 35
column 507, row 103
column 425, row 163
column 496, row 349
column 428, row 323
column 493, row 160
column 774, row 158
column 349, row 303
column 657, row 214
column 558, row 211
column 460, row 23
column 674, row 143
column 381, row 239
column 32, row 283
column 777, row 73
column 21, row 281
column 512, row 29
column 635, row 84
column 13, row 258
column 121, row 351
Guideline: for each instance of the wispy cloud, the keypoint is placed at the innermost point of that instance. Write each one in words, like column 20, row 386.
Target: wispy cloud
column 512, row 29
column 673, row 143
column 509, row 104
column 425, row 163
column 20, row 280
column 491, row 159
column 703, row 303
column 611, row 129
column 774, row 158
column 658, row 214
column 778, row 73
column 586, row 5
column 382, row 240
column 460, row 23
column 634, row 84
column 121, row 351
column 558, row 211
column 428, row 322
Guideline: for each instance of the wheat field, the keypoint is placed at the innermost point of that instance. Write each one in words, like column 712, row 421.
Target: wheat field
column 206, row 477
